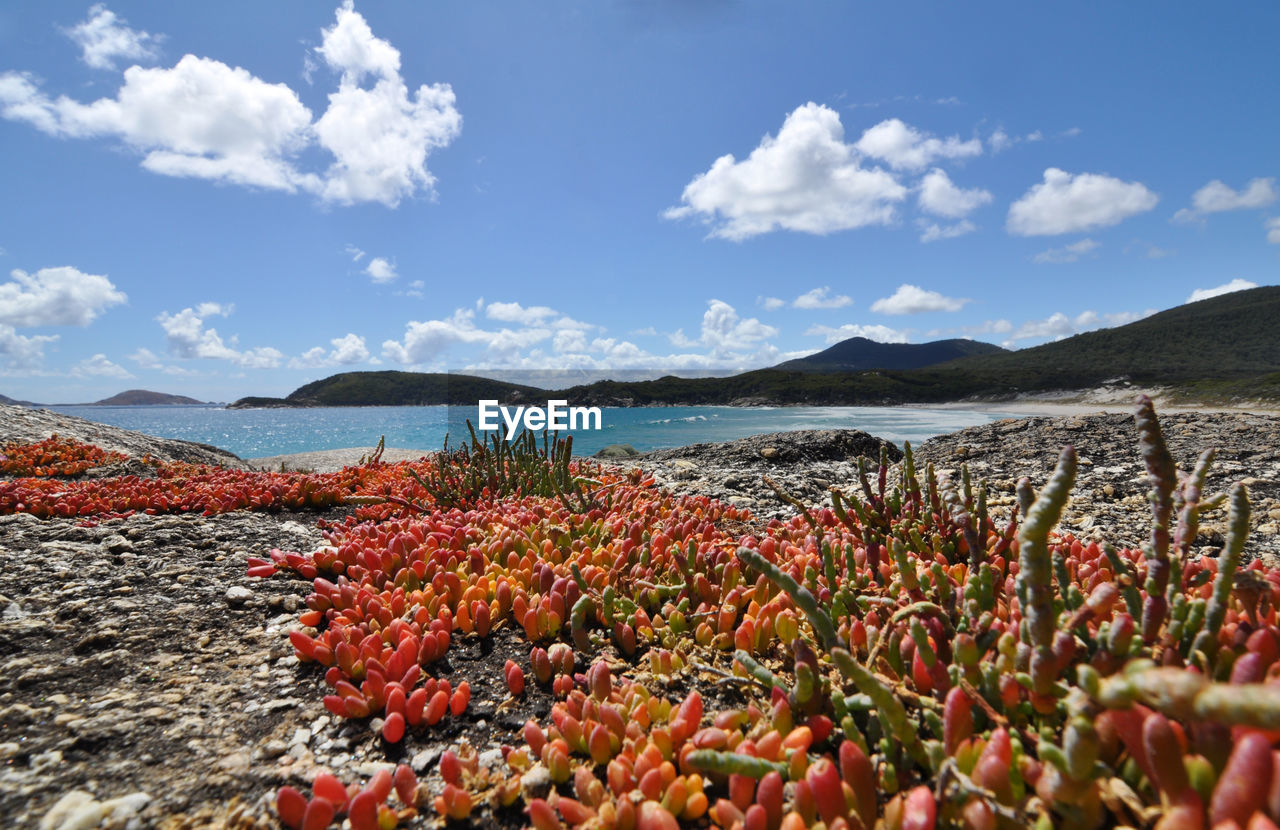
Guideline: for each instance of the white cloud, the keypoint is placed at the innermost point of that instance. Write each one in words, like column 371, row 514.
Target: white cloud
column 516, row 313
column 771, row 303
column 416, row 289
column 880, row 334
column 541, row 338
column 380, row 136
column 1066, row 203
column 905, row 148
column 103, row 38
column 188, row 338
column 1217, row 291
column 426, row 340
column 911, row 299
column 999, row 141
column 200, row 119
column 63, row 296
column 346, row 351
column 538, row 315
column 380, row 271
column 349, row 349
column 1034, row 135
column 723, row 331
column 22, row 353
column 932, row 231
column 1067, row 253
column 355, row 253
column 805, row 179
column 204, row 119
column 99, row 366
column 148, row 359
column 821, row 298
column 1273, row 230
column 1216, row 197
column 939, row 196
column 1058, row 325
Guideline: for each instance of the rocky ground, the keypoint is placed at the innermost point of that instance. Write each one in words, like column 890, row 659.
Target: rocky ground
column 1111, row 488
column 146, row 681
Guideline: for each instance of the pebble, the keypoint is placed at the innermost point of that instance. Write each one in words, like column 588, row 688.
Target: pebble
column 537, row 781
column 238, row 595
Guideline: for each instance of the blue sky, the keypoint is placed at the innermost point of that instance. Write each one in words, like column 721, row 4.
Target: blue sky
column 237, row 198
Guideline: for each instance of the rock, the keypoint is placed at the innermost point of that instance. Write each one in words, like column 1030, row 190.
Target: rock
column 537, row 781
column 238, row 595
column 616, row 451
column 770, row 453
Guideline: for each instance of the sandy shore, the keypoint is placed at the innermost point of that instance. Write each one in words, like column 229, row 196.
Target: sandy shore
column 329, row 461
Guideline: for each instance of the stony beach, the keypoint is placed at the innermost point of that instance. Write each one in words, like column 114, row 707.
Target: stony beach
column 146, row 681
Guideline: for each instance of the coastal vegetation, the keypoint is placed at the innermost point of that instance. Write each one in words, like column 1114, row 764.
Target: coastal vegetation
column 908, row 656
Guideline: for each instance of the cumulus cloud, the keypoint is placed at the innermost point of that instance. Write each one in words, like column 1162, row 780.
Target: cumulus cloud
column 771, row 303
column 1273, row 230
column 381, row 135
column 1216, row 197
column 62, row 296
column 881, row 334
column 807, row 178
column 103, row 37
column 939, row 196
column 204, row 119
column 346, row 351
column 1217, row 291
column 1067, row 253
column 99, row 366
column 200, row 119
column 723, row 331
column 188, row 338
column 538, row 315
column 1066, row 203
column 903, row 147
column 911, row 299
column 425, row 340
column 20, row 352
column 380, row 271
column 821, row 298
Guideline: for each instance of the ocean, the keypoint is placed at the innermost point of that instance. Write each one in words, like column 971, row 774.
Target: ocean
column 254, row 433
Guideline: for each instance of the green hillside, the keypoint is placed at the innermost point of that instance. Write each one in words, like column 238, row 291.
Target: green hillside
column 398, row 389
column 859, row 354
column 145, row 397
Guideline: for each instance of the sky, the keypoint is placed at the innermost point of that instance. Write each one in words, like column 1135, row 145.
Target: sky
column 236, row 198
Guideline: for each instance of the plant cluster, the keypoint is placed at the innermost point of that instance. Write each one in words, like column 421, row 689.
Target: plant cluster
column 53, row 456
column 179, row 487
column 901, row 658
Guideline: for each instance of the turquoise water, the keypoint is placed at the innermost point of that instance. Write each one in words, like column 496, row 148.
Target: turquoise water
column 253, row 433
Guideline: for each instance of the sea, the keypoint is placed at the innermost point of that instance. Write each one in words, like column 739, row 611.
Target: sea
column 256, row 433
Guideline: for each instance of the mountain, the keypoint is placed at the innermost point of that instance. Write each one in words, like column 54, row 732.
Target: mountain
column 397, row 389
column 144, row 397
column 10, row 401
column 860, row 354
column 1223, row 348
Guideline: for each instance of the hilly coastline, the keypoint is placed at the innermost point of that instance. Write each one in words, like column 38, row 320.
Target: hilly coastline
column 1218, row 350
